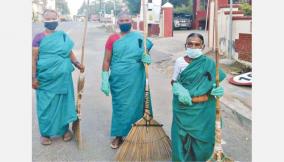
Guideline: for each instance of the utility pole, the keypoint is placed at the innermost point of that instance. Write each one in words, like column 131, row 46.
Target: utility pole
column 104, row 8
column 230, row 42
column 100, row 7
column 229, row 60
column 114, row 8
column 88, row 10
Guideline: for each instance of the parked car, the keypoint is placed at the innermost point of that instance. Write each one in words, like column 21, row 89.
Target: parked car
column 182, row 20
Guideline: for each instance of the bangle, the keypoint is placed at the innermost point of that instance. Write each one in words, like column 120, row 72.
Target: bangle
column 76, row 63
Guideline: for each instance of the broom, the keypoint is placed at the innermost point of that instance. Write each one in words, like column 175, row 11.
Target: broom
column 218, row 154
column 81, row 80
column 146, row 141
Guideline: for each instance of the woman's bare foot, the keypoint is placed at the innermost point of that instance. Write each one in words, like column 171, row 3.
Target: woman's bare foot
column 115, row 143
column 67, row 136
column 45, row 140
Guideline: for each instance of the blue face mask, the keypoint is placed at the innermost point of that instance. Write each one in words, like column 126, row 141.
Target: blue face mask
column 51, row 25
column 125, row 27
column 193, row 53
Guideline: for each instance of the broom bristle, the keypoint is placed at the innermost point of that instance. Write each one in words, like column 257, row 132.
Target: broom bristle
column 77, row 133
column 145, row 143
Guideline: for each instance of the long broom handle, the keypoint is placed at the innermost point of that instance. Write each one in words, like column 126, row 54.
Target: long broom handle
column 146, row 107
column 218, row 133
column 84, row 35
column 79, row 95
column 83, row 42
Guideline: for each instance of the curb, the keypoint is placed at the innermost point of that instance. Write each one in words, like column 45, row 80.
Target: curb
column 239, row 117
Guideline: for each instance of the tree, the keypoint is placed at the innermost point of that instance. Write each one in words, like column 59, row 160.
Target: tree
column 133, row 6
column 179, row 5
column 81, row 10
column 62, row 7
column 185, row 7
column 246, row 8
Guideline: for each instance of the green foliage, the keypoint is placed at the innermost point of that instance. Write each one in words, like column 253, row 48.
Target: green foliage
column 62, row 7
column 179, row 3
column 81, row 10
column 183, row 9
column 186, row 7
column 96, row 8
column 246, row 8
column 133, row 6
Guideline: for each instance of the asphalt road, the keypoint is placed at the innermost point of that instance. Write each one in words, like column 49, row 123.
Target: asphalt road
column 96, row 108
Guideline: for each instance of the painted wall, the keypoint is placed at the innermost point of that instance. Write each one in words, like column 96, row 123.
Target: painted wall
column 240, row 26
column 224, row 26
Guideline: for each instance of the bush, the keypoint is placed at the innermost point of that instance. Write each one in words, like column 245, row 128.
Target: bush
column 183, row 9
column 246, row 8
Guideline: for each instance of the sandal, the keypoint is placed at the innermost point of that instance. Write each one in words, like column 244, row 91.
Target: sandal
column 116, row 142
column 45, row 140
column 67, row 136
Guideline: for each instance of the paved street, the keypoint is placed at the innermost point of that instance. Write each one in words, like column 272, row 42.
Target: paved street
column 96, row 107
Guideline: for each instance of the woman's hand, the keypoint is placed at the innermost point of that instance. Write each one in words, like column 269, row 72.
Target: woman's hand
column 81, row 67
column 78, row 65
column 35, row 84
column 217, row 91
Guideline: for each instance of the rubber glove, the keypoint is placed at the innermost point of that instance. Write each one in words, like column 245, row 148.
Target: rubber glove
column 217, row 91
column 149, row 44
column 146, row 59
column 105, row 83
column 182, row 93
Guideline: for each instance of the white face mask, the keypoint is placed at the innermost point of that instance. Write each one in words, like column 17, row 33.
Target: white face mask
column 193, row 53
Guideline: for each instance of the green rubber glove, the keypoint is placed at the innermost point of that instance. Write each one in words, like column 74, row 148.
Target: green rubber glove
column 217, row 91
column 182, row 93
column 146, row 59
column 105, row 83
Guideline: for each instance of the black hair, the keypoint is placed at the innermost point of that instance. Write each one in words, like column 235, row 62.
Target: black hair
column 196, row 35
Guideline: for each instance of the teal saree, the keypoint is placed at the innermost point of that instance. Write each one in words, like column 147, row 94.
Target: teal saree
column 55, row 94
column 127, row 82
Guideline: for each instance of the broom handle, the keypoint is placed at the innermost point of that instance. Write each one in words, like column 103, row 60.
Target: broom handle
column 84, row 36
column 218, row 132
column 83, row 42
column 79, row 95
column 147, row 114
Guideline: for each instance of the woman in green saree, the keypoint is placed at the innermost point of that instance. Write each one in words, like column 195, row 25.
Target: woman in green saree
column 52, row 80
column 193, row 125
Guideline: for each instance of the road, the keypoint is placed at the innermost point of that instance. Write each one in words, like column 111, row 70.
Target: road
column 96, row 107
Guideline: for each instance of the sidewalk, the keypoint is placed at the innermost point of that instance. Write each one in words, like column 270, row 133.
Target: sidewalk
column 166, row 50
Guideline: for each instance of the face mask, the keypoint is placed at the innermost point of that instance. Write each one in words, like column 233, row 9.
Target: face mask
column 193, row 53
column 51, row 25
column 125, row 27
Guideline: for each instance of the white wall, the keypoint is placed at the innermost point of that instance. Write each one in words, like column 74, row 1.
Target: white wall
column 238, row 26
column 224, row 29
